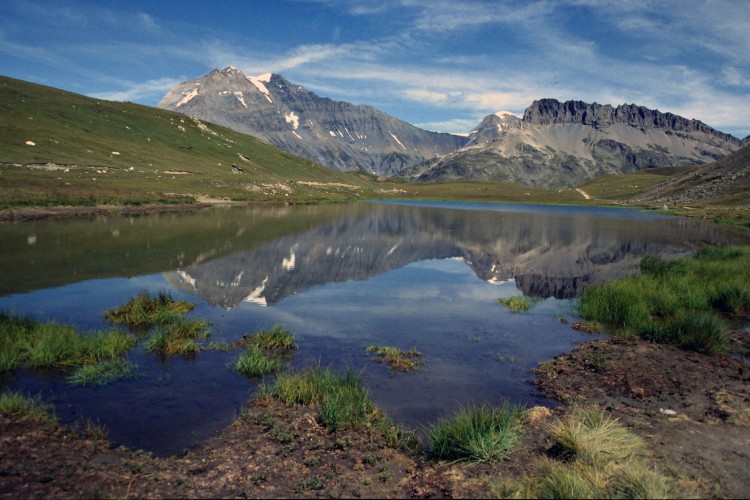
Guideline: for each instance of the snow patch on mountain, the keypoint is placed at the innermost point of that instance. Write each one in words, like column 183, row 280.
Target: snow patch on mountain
column 293, row 119
column 187, row 97
column 259, row 82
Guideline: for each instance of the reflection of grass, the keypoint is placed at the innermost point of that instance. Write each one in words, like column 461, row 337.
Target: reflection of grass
column 145, row 311
column 676, row 302
column 481, row 434
column 403, row 361
column 18, row 405
column 104, row 372
column 594, row 457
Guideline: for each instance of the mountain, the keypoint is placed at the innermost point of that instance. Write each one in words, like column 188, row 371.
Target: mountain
column 724, row 182
column 563, row 144
column 336, row 134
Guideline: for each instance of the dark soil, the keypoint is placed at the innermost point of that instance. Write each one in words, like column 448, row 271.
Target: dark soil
column 692, row 409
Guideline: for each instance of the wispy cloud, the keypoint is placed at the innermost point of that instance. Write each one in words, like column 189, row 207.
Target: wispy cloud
column 138, row 91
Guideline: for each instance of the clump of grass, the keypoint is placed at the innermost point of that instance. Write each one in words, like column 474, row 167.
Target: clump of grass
column 341, row 400
column 676, row 302
column 266, row 351
column 144, row 310
column 54, row 345
column 104, row 373
column 516, row 303
column 594, row 457
column 398, row 360
column 17, row 405
column 254, row 363
column 177, row 335
column 277, row 338
column 479, row 434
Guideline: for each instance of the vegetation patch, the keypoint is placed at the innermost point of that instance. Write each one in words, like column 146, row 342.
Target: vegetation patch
column 104, row 373
column 177, row 335
column 678, row 302
column 593, row 457
column 478, row 434
column 341, row 401
column 18, row 405
column 516, row 303
column 266, row 351
column 398, row 360
column 145, row 311
column 30, row 343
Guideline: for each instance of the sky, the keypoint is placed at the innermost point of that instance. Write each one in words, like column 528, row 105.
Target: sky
column 439, row 64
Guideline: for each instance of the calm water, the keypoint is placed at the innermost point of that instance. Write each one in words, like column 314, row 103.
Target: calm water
column 422, row 275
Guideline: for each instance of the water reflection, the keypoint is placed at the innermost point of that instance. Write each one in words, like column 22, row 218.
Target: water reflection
column 547, row 253
column 340, row 278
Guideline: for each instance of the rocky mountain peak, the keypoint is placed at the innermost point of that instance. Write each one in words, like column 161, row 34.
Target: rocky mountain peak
column 337, row 134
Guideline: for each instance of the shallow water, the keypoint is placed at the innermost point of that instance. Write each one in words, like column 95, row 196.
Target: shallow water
column 422, row 275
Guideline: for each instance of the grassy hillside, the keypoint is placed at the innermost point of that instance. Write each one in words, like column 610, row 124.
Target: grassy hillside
column 60, row 148
column 63, row 149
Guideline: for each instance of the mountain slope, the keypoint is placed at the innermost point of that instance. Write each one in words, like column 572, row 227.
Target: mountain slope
column 725, row 182
column 564, row 144
column 58, row 147
column 337, row 134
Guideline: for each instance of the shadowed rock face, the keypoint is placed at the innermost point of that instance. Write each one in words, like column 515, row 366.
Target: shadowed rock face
column 548, row 254
column 336, row 134
column 562, row 144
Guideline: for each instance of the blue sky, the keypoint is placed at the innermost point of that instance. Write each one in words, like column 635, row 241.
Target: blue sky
column 439, row 64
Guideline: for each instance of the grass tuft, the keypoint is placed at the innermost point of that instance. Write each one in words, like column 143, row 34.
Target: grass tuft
column 516, row 303
column 178, row 336
column 341, row 401
column 479, row 434
column 255, row 363
column 146, row 311
column 17, row 405
column 594, row 457
column 265, row 352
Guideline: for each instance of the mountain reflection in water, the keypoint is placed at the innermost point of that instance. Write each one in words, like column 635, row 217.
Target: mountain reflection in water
column 340, row 277
column 549, row 254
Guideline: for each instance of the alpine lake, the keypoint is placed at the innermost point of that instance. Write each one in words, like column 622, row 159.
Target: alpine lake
column 422, row 275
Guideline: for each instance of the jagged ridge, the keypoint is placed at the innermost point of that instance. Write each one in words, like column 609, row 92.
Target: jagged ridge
column 563, row 144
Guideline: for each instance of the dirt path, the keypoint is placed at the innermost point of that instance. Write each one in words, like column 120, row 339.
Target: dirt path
column 583, row 193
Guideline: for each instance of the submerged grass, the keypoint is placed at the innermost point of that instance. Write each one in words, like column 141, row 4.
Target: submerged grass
column 398, row 360
column 103, row 373
column 594, row 457
column 677, row 302
column 478, row 434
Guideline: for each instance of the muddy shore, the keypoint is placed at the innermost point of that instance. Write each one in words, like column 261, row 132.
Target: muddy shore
column 693, row 411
